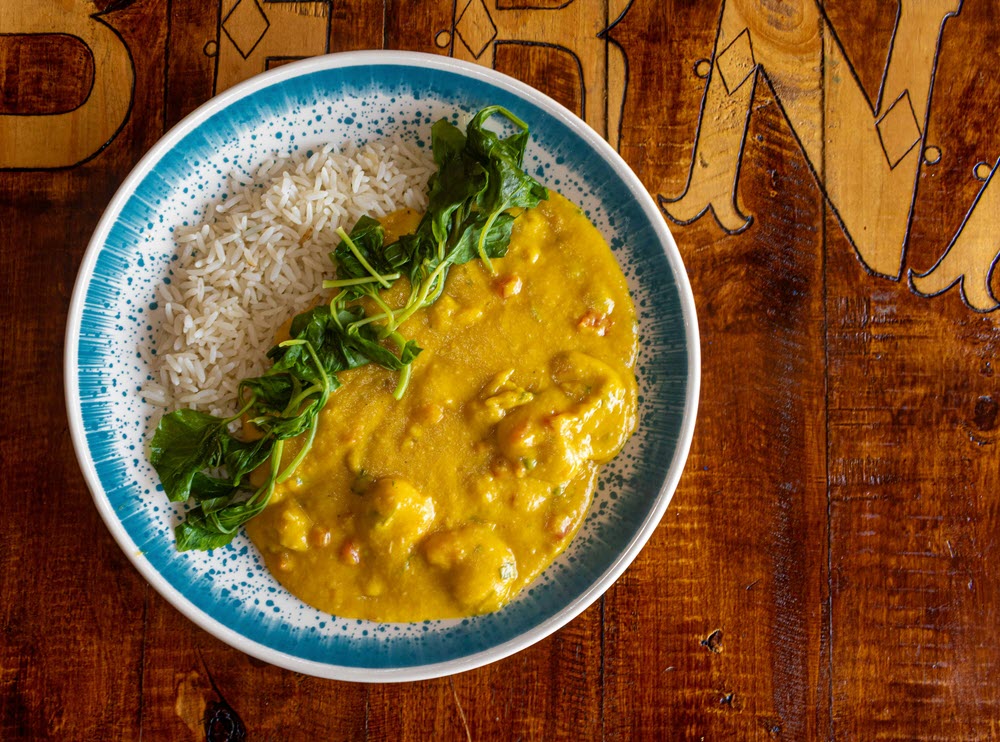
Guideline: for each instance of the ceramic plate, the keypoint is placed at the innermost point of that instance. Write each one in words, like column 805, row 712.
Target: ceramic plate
column 361, row 96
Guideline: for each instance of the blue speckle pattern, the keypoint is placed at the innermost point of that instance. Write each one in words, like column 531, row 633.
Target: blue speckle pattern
column 111, row 338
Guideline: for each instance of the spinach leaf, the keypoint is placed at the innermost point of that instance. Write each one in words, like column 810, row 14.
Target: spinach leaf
column 242, row 457
column 447, row 141
column 493, row 238
column 195, row 532
column 205, row 488
column 185, row 442
column 362, row 257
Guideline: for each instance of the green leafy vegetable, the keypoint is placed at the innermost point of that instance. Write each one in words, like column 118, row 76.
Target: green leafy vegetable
column 186, row 442
column 478, row 181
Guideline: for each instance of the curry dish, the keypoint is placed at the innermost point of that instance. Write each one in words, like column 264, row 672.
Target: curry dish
column 449, row 501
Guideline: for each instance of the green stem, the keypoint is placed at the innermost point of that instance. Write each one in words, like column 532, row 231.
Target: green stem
column 268, row 489
column 335, row 301
column 357, row 253
column 243, row 411
column 367, row 320
column 404, row 381
column 296, row 402
column 339, row 283
column 324, row 392
column 481, row 245
column 425, row 289
column 387, row 310
column 290, row 469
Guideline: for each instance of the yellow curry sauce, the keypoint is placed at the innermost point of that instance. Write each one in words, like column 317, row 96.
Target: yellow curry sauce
column 448, row 502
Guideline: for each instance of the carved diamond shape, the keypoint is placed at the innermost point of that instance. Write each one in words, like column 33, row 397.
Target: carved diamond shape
column 475, row 28
column 736, row 62
column 898, row 130
column 245, row 26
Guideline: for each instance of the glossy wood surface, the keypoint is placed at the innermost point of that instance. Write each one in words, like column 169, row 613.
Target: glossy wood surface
column 828, row 566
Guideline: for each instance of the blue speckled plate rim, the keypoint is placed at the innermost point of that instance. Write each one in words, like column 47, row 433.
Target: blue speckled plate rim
column 377, row 59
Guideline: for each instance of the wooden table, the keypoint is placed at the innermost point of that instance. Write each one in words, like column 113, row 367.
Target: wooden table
column 829, row 565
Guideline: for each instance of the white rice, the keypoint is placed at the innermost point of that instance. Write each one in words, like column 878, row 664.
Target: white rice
column 260, row 257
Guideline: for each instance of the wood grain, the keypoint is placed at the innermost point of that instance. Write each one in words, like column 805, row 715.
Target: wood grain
column 732, row 611
column 43, row 74
column 826, row 568
column 913, row 459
